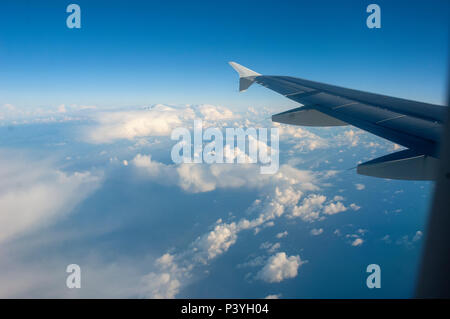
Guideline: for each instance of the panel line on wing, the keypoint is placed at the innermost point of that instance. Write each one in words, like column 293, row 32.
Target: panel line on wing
column 304, row 94
column 344, row 105
column 298, row 92
column 391, row 118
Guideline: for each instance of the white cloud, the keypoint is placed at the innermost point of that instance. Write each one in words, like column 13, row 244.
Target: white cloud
column 218, row 240
column 165, row 283
column 160, row 286
column 313, row 207
column 282, row 234
column 360, row 187
column 350, row 137
column 159, row 120
column 280, row 267
column 154, row 170
column 198, row 178
column 310, row 208
column 215, row 113
column 131, row 124
column 316, row 231
column 33, row 194
column 417, row 236
column 302, row 138
column 357, row 242
column 334, row 208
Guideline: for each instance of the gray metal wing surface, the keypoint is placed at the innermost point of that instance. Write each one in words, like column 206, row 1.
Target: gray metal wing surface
column 415, row 125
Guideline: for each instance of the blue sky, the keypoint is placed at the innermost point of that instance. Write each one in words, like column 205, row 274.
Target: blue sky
column 86, row 175
column 176, row 52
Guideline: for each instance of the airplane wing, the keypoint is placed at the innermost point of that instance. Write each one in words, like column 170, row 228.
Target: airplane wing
column 414, row 125
column 434, row 277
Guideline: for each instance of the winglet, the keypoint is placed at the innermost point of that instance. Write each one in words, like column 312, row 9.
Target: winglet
column 242, row 70
column 246, row 76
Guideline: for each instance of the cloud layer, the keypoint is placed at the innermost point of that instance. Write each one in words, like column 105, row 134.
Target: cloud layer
column 33, row 194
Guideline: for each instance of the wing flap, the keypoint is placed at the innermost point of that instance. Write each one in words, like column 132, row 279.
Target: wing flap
column 307, row 117
column 403, row 165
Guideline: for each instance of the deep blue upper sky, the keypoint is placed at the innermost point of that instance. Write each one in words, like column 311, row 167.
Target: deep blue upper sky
column 143, row 52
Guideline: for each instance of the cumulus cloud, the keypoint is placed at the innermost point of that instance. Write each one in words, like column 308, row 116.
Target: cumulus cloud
column 155, row 171
column 131, row 124
column 219, row 240
column 357, row 242
column 165, row 283
column 215, row 113
column 334, row 208
column 310, row 208
column 350, row 137
column 316, row 231
column 315, row 206
column 280, row 267
column 301, row 138
column 417, row 236
column 356, row 239
column 158, row 120
column 282, row 234
column 160, row 286
column 360, row 187
column 199, row 178
column 33, row 194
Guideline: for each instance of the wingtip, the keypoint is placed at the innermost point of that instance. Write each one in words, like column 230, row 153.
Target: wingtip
column 242, row 70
